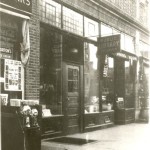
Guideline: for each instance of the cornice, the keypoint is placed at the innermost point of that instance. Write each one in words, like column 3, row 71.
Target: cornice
column 119, row 14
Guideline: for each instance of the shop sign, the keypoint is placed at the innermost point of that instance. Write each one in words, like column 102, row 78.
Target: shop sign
column 125, row 56
column 146, row 62
column 110, row 44
column 12, row 75
column 105, row 70
column 22, row 5
column 5, row 53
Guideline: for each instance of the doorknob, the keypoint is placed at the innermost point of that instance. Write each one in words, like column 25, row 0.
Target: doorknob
column 68, row 99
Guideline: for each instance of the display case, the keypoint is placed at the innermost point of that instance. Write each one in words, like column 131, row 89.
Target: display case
column 100, row 120
column 52, row 126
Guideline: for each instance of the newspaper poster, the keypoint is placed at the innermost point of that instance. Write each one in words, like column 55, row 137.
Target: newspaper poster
column 12, row 75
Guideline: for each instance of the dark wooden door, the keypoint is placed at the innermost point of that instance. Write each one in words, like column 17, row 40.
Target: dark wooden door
column 72, row 98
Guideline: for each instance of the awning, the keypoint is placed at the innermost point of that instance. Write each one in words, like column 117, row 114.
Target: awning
column 144, row 61
column 25, row 45
column 125, row 55
column 13, row 13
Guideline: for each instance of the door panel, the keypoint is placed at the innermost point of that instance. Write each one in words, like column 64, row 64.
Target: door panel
column 72, row 90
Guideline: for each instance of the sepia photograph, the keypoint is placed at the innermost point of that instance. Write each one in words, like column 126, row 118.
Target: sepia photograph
column 74, row 74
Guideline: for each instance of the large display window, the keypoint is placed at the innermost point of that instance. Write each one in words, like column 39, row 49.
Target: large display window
column 108, row 84
column 10, row 64
column 91, row 79
column 50, row 71
column 130, row 71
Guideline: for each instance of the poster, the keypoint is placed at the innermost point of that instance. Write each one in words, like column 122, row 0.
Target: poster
column 12, row 75
column 4, row 99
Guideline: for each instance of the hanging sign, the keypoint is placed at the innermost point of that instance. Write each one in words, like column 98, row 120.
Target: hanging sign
column 22, row 5
column 110, row 44
column 12, row 75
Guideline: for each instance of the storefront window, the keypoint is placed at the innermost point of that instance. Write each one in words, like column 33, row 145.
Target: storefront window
column 50, row 12
column 106, row 30
column 72, row 21
column 91, row 29
column 129, row 83
column 115, row 31
column 50, row 71
column 10, row 64
column 144, row 49
column 129, row 44
column 144, row 82
column 108, row 84
column 91, row 80
column 122, row 41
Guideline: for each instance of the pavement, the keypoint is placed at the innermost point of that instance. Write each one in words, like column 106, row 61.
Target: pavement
column 135, row 136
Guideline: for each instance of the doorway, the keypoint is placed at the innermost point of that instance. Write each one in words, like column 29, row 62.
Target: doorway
column 72, row 107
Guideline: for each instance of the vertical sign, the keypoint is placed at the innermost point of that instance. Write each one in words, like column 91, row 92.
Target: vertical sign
column 12, row 75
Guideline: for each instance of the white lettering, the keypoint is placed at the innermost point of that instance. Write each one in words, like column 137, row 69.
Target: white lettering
column 5, row 50
column 26, row 2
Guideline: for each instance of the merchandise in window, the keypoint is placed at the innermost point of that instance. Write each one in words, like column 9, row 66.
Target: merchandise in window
column 108, row 84
column 50, row 72
column 91, row 86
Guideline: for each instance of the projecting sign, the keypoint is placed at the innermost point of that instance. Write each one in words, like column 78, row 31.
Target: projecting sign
column 110, row 44
column 22, row 5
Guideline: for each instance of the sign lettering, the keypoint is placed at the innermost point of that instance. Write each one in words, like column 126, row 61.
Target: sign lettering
column 5, row 53
column 5, row 50
column 22, row 5
column 110, row 44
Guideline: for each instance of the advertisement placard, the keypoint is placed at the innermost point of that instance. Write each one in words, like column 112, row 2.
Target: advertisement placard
column 12, row 75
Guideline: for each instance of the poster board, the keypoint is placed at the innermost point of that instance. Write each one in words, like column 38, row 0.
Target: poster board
column 4, row 99
column 12, row 75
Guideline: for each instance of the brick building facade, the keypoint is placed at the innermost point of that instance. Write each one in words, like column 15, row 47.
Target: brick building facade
column 62, row 72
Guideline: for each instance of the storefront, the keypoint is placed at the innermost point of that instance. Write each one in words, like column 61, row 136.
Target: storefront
column 118, row 73
column 14, row 44
column 81, row 70
column 80, row 88
column 144, row 82
column 69, row 81
column 14, row 55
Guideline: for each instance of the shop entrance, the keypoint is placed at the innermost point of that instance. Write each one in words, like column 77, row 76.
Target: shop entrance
column 72, row 98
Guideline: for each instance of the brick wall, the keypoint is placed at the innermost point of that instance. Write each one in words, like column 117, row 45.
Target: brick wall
column 32, row 70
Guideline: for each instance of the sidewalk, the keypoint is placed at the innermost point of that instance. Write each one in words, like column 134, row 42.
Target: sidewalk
column 134, row 136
